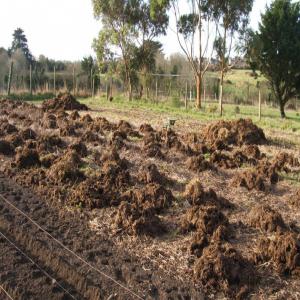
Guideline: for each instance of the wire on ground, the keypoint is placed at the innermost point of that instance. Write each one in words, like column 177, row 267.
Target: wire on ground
column 6, row 292
column 40, row 268
column 70, row 251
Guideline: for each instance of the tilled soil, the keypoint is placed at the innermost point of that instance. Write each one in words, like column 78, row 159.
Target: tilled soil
column 167, row 214
column 23, row 280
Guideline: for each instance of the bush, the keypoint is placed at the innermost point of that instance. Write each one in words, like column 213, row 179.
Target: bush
column 176, row 102
column 237, row 110
column 212, row 109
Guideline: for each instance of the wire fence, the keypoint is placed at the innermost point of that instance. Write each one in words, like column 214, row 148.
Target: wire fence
column 178, row 88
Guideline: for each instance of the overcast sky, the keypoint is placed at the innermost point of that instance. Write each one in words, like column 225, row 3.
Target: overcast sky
column 65, row 29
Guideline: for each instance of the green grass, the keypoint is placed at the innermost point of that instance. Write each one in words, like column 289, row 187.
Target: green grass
column 270, row 116
column 28, row 97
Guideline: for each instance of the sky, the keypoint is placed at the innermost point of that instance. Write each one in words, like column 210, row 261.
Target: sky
column 65, row 29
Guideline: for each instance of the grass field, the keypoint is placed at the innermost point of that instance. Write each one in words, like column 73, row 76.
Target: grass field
column 270, row 116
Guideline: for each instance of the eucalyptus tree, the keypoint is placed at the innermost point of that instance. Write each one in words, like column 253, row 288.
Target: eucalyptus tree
column 196, row 32
column 232, row 18
column 126, row 26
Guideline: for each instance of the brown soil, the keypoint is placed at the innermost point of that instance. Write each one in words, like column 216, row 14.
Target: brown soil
column 152, row 196
column 68, row 130
column 222, row 268
column 136, row 221
column 6, row 148
column 49, row 143
column 295, row 199
column 199, row 164
column 79, row 148
column 238, row 133
column 204, row 219
column 74, row 115
column 48, row 160
column 283, row 249
column 49, row 121
column 66, row 168
column 225, row 161
column 146, row 128
column 100, row 177
column 27, row 158
column 249, row 179
column 196, row 195
column 63, row 102
column 91, row 194
column 153, row 150
column 266, row 219
column 150, row 174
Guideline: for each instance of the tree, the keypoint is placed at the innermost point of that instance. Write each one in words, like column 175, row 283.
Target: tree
column 275, row 48
column 20, row 42
column 126, row 26
column 232, row 16
column 195, row 29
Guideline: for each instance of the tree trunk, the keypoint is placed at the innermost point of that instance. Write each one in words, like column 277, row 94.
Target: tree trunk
column 221, row 91
column 129, row 89
column 10, row 77
column 198, row 84
column 282, row 112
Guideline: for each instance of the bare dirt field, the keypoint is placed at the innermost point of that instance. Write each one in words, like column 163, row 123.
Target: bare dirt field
column 109, row 204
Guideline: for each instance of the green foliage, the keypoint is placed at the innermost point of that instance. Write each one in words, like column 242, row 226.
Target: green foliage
column 20, row 42
column 176, row 102
column 129, row 29
column 29, row 97
column 274, row 50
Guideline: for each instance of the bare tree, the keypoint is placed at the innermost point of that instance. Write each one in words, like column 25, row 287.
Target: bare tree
column 196, row 31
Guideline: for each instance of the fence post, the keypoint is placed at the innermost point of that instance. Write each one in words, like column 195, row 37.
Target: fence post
column 107, row 90
column 93, row 90
column 30, row 79
column 204, row 92
column 91, row 84
column 54, row 78
column 74, row 87
column 156, row 90
column 111, row 87
column 259, row 102
column 186, row 95
column 10, row 77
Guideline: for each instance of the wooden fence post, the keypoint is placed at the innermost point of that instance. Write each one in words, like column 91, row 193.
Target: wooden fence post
column 156, row 90
column 10, row 77
column 30, row 79
column 186, row 95
column 74, row 84
column 259, row 103
column 54, row 78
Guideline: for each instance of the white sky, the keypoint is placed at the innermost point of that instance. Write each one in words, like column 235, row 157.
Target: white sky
column 65, row 29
